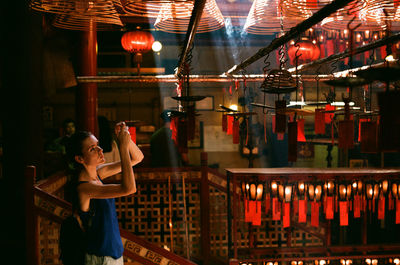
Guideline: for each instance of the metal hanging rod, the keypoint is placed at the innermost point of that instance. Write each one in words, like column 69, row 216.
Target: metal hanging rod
column 370, row 46
column 191, row 32
column 291, row 34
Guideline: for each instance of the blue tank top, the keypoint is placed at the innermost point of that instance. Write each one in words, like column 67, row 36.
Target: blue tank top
column 102, row 228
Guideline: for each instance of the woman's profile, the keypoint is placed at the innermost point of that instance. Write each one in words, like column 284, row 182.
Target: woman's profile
column 93, row 200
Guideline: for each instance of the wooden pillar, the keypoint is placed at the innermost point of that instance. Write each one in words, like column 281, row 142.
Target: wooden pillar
column 86, row 96
column 31, row 221
column 229, row 213
column 205, row 210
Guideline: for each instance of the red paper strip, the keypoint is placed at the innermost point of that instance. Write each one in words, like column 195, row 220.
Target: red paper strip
column 224, row 123
column 302, row 211
column 329, row 116
column 330, row 47
column 329, row 208
column 381, row 208
column 357, row 206
column 397, row 211
column 346, row 134
column 344, row 213
column 295, row 206
column 174, row 128
column 319, row 124
column 286, row 214
column 360, row 133
column 276, row 212
column 132, row 132
column 280, row 136
column 300, row 131
column 257, row 213
column 247, row 213
column 267, row 204
column 322, row 50
column 383, row 52
column 315, row 214
column 235, row 132
column 230, row 125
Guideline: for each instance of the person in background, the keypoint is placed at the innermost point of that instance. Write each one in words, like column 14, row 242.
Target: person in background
column 164, row 152
column 92, row 199
column 106, row 141
column 68, row 129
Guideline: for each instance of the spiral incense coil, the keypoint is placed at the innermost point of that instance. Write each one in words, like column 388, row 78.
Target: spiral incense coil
column 147, row 8
column 85, row 23
column 76, row 7
column 264, row 18
column 278, row 81
column 174, row 17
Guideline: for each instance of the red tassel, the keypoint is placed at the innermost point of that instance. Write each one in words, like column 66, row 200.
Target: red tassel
column 267, row 204
column 224, row 123
column 295, row 206
column 174, row 129
column 383, row 52
column 381, row 208
column 397, row 211
column 330, row 47
column 329, row 116
column 319, row 124
column 276, row 212
column 257, row 213
column 344, row 213
column 286, row 214
column 300, row 131
column 322, row 50
column 315, row 214
column 230, row 125
column 329, row 208
column 346, row 134
column 235, row 131
column 292, row 139
column 132, row 131
column 302, row 211
column 357, row 206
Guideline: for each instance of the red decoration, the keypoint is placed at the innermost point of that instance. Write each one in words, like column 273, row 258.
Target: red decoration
column 357, row 206
column 381, row 208
column 329, row 207
column 302, row 211
column 397, row 211
column 300, row 131
column 257, row 213
column 137, row 41
column 315, row 214
column 329, row 116
column 344, row 213
column 369, row 136
column 224, row 123
column 230, row 125
column 308, row 52
column 248, row 211
column 267, row 204
column 276, row 211
column 174, row 128
column 346, row 134
column 280, row 119
column 330, row 47
column 286, row 214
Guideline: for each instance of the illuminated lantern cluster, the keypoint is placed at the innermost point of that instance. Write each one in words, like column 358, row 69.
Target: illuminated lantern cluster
column 307, row 52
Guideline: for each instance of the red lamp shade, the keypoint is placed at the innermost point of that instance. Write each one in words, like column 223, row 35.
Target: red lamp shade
column 308, row 52
column 137, row 41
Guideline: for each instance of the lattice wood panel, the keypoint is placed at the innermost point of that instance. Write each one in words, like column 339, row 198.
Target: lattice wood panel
column 218, row 223
column 48, row 241
column 146, row 213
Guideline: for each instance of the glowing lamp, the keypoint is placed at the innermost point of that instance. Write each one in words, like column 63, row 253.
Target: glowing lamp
column 376, row 191
column 260, row 193
column 395, row 191
column 369, row 191
column 274, row 188
column 330, row 187
column 157, row 46
column 318, row 193
column 384, row 187
column 288, row 193
column 281, row 192
column 301, row 188
column 342, row 192
column 311, row 192
column 253, row 191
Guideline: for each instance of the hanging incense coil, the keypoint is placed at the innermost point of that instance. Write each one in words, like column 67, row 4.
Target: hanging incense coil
column 85, row 23
column 175, row 17
column 149, row 8
column 382, row 12
column 384, row 74
column 348, row 81
column 278, row 81
column 264, row 18
column 76, row 7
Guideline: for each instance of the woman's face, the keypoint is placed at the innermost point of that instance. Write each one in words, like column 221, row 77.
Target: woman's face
column 92, row 153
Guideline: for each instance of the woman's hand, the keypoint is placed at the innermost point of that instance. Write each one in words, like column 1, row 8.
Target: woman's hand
column 122, row 133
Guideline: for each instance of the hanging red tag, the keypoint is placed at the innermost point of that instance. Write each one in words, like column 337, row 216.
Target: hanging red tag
column 330, row 47
column 381, row 208
column 267, row 204
column 383, row 52
column 322, row 50
column 390, row 202
column 344, row 213
column 257, row 213
column 286, row 214
column 295, row 206
column 247, row 214
column 280, row 136
column 235, row 131
column 276, row 212
column 329, row 208
column 329, row 116
column 292, row 141
column 346, row 134
column 369, row 137
column 324, row 204
column 319, row 124
column 357, row 206
column 174, row 129
column 300, row 131
column 397, row 211
column 315, row 214
column 302, row 211
column 230, row 125
column 132, row 132
column 360, row 121
column 224, row 123
column 252, row 210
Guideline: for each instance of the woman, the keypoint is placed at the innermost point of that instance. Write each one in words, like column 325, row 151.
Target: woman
column 94, row 200
column 106, row 141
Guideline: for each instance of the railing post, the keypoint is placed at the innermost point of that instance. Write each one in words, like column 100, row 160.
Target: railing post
column 31, row 222
column 205, row 209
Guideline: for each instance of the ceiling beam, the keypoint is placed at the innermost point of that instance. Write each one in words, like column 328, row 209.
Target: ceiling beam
column 291, row 34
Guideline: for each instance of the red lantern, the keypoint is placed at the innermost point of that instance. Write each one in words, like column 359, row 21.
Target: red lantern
column 137, row 42
column 308, row 52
